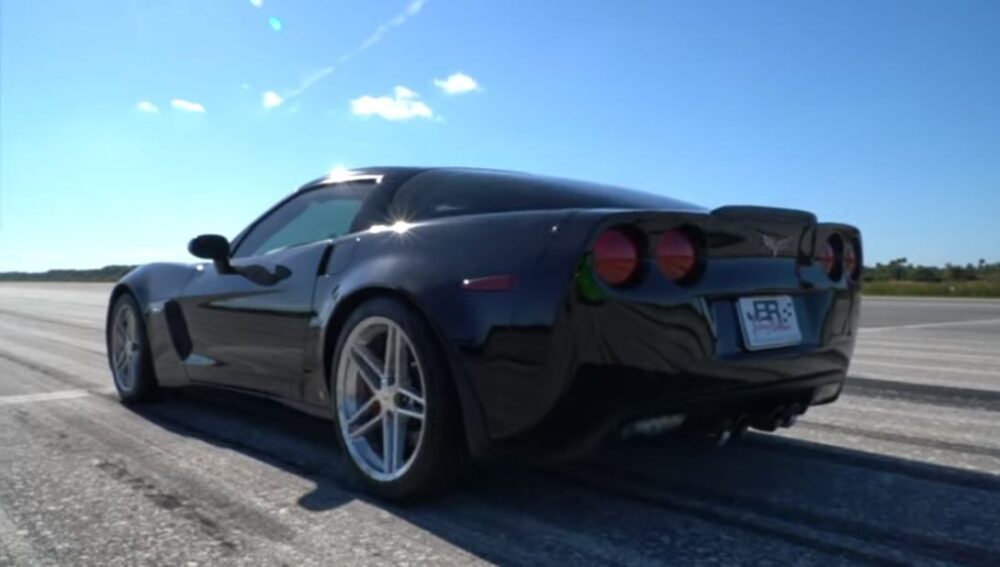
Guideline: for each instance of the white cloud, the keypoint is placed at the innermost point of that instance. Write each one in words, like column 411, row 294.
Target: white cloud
column 147, row 106
column 271, row 99
column 457, row 83
column 403, row 105
column 257, row 3
column 413, row 7
column 186, row 105
column 403, row 92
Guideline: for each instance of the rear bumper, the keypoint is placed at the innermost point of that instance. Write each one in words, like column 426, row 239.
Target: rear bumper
column 588, row 415
column 605, row 364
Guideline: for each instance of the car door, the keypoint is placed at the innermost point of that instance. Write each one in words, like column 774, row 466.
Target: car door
column 248, row 324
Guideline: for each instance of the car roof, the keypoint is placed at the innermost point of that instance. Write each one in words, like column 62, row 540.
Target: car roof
column 596, row 194
column 382, row 174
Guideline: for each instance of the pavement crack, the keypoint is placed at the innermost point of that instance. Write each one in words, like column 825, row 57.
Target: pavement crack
column 789, row 523
column 54, row 373
column 117, row 470
column 56, row 322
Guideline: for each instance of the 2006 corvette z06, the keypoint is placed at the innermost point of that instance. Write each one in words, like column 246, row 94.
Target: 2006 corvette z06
column 433, row 313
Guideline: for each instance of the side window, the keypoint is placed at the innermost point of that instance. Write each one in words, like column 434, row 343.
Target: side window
column 454, row 194
column 436, row 194
column 422, row 198
column 315, row 215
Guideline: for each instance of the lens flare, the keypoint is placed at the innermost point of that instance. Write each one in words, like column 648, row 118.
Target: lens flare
column 399, row 227
column 340, row 173
column 275, row 23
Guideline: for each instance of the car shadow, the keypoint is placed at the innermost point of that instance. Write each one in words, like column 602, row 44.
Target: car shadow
column 762, row 499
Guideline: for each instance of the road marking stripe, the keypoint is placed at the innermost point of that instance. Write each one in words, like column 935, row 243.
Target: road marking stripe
column 941, row 355
column 869, row 330
column 48, row 396
column 906, row 409
column 948, row 369
column 925, row 345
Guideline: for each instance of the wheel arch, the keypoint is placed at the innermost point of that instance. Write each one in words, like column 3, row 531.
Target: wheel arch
column 149, row 383
column 135, row 284
column 473, row 419
column 120, row 289
column 151, row 286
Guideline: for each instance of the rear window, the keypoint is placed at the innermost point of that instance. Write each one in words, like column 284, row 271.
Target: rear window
column 443, row 193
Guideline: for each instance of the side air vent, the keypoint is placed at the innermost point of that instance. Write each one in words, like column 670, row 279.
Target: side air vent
column 177, row 326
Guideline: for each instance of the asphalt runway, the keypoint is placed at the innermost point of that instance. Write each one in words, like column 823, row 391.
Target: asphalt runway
column 905, row 468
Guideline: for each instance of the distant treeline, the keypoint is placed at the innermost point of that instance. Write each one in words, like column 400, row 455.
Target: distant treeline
column 899, row 277
column 901, row 270
column 105, row 274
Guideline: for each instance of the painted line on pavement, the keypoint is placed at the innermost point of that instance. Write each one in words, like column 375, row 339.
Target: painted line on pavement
column 948, row 369
column 867, row 330
column 48, row 396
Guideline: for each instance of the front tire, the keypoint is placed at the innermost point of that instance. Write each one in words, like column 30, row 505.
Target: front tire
column 395, row 408
column 128, row 352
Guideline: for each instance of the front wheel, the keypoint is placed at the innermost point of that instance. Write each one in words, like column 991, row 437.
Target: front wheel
column 128, row 352
column 395, row 407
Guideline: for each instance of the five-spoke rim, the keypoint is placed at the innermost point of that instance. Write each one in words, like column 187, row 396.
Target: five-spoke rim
column 125, row 347
column 381, row 403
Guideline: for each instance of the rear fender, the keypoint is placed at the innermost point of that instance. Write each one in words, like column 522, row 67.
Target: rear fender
column 425, row 265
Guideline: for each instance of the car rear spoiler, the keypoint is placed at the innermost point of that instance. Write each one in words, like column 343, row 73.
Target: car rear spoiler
column 771, row 214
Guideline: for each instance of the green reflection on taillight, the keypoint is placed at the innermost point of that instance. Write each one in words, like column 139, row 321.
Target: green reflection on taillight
column 585, row 282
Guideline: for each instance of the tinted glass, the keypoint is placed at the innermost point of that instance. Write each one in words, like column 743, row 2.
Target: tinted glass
column 314, row 215
column 441, row 193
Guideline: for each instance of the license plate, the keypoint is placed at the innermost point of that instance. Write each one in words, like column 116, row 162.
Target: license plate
column 768, row 322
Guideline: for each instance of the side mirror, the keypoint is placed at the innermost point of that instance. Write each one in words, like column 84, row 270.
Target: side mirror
column 212, row 247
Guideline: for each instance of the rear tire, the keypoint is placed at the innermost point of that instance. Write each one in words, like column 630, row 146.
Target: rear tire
column 128, row 352
column 395, row 407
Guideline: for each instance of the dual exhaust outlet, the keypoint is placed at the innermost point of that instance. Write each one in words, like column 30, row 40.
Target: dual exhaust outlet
column 781, row 416
column 723, row 430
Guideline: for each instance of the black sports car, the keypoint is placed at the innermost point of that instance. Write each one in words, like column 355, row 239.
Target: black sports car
column 435, row 313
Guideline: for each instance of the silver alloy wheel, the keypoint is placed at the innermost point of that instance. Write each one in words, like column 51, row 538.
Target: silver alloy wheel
column 126, row 347
column 381, row 405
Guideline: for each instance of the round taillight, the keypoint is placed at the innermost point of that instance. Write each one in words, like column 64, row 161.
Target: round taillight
column 676, row 255
column 616, row 256
column 828, row 256
column 851, row 260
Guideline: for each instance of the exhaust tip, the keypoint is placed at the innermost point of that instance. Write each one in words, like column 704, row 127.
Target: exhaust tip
column 722, row 437
column 652, row 427
column 741, row 425
column 791, row 416
column 771, row 420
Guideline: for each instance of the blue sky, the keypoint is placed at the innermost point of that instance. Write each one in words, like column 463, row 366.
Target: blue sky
column 884, row 114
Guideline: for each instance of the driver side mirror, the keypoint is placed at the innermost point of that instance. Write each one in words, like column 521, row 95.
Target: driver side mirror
column 212, row 247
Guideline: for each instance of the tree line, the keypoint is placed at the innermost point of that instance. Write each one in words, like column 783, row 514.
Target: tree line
column 105, row 274
column 902, row 270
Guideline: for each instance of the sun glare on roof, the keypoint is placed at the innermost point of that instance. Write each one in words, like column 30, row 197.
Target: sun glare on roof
column 340, row 173
column 399, row 227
